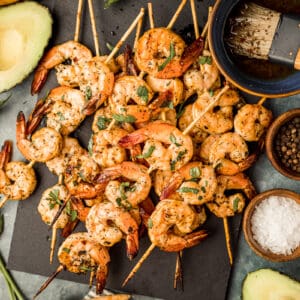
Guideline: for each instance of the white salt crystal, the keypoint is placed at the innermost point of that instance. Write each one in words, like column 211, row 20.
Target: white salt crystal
column 275, row 224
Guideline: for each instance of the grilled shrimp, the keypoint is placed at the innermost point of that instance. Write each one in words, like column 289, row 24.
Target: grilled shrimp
column 195, row 182
column 71, row 147
column 80, row 175
column 220, row 118
column 72, row 50
column 202, row 76
column 108, row 224
column 126, row 193
column 178, row 153
column 251, row 121
column 44, row 144
column 104, row 148
column 229, row 154
column 51, row 200
column 205, row 148
column 17, row 180
column 163, row 85
column 64, row 109
column 163, row 54
column 80, row 253
column 160, row 179
column 224, row 206
column 171, row 225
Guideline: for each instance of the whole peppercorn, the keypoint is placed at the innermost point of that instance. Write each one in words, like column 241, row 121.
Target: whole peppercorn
column 287, row 144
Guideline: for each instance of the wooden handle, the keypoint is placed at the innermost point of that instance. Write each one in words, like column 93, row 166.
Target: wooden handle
column 297, row 61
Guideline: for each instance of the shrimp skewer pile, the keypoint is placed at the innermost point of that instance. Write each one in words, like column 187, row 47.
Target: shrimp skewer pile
column 139, row 141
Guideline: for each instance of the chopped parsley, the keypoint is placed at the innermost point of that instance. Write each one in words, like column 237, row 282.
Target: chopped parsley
column 67, row 250
column 178, row 158
column 124, row 203
column 123, row 187
column 61, row 116
column 124, row 119
column 88, row 93
column 173, row 140
column 235, row 204
column 202, row 60
column 211, row 92
column 103, row 122
column 71, row 213
column 203, row 189
column 147, row 154
column 186, row 189
column 86, row 269
column 195, row 172
column 53, row 199
column 150, row 223
column 90, row 146
column 142, row 92
column 169, row 58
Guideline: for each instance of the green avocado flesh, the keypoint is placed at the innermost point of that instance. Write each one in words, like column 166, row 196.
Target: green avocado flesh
column 25, row 29
column 266, row 284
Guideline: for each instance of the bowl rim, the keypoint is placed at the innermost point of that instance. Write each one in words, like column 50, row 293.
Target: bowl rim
column 271, row 135
column 222, row 68
column 266, row 254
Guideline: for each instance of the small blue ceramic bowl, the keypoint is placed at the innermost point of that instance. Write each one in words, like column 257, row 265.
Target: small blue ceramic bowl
column 271, row 88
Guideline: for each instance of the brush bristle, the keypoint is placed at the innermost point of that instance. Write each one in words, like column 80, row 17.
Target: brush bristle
column 252, row 31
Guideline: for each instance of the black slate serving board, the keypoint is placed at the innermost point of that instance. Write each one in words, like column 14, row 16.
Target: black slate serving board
column 206, row 267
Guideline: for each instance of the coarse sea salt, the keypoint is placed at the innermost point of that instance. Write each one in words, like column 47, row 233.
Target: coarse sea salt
column 275, row 224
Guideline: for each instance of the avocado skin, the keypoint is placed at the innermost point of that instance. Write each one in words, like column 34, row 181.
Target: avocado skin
column 267, row 284
column 33, row 38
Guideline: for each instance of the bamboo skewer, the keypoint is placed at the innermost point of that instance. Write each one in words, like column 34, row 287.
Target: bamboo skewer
column 62, row 207
column 150, row 12
column 53, row 242
column 178, row 11
column 125, row 35
column 3, row 201
column 262, row 101
column 228, row 243
column 205, row 28
column 92, row 275
column 94, row 29
column 78, row 20
column 178, row 278
column 138, row 33
column 139, row 263
column 195, row 20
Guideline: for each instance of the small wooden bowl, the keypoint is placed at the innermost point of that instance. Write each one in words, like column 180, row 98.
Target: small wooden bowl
column 247, row 225
column 270, row 145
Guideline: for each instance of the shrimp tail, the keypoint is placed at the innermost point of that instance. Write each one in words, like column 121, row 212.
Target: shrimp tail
column 81, row 210
column 39, row 79
column 132, row 242
column 69, row 228
column 5, row 154
column 190, row 54
column 129, row 140
column 101, row 275
column 20, row 127
column 93, row 105
column 171, row 187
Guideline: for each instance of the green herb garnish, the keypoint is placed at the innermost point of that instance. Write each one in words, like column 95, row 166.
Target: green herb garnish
column 71, row 213
column 150, row 223
column 123, row 187
column 108, row 3
column 169, row 58
column 110, row 47
column 205, row 60
column 173, row 140
column 195, row 172
column 88, row 93
column 148, row 153
column 124, row 119
column 90, row 146
column 211, row 92
column 61, row 116
column 103, row 122
column 142, row 92
column 203, row 189
column 235, row 204
column 67, row 250
column 186, row 189
column 53, row 199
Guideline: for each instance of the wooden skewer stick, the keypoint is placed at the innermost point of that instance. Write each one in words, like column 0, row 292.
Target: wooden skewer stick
column 261, row 101
column 195, row 20
column 227, row 237
column 62, row 207
column 48, row 281
column 178, row 278
column 208, row 107
column 30, row 165
column 139, row 263
column 78, row 19
column 92, row 275
column 125, row 36
column 205, row 28
column 138, row 32
column 94, row 29
column 150, row 12
column 178, row 11
column 60, row 179
column 53, row 242
column 3, row 201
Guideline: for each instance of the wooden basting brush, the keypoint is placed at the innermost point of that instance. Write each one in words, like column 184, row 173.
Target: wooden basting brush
column 259, row 32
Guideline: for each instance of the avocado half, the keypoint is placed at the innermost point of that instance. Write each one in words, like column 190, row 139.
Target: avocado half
column 267, row 284
column 25, row 29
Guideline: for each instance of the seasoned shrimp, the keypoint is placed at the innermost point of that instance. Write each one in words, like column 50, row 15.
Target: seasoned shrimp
column 104, row 148
column 51, row 200
column 44, row 144
column 72, row 50
column 202, row 76
column 102, row 119
column 171, row 225
column 17, row 180
column 80, row 253
column 64, row 109
column 80, row 175
column 220, row 118
column 108, row 224
column 131, row 192
column 195, row 182
column 229, row 154
column 198, row 135
column 70, row 148
column 205, row 147
column 160, row 179
column 163, row 85
column 180, row 146
column 163, row 54
column 251, row 121
column 224, row 206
